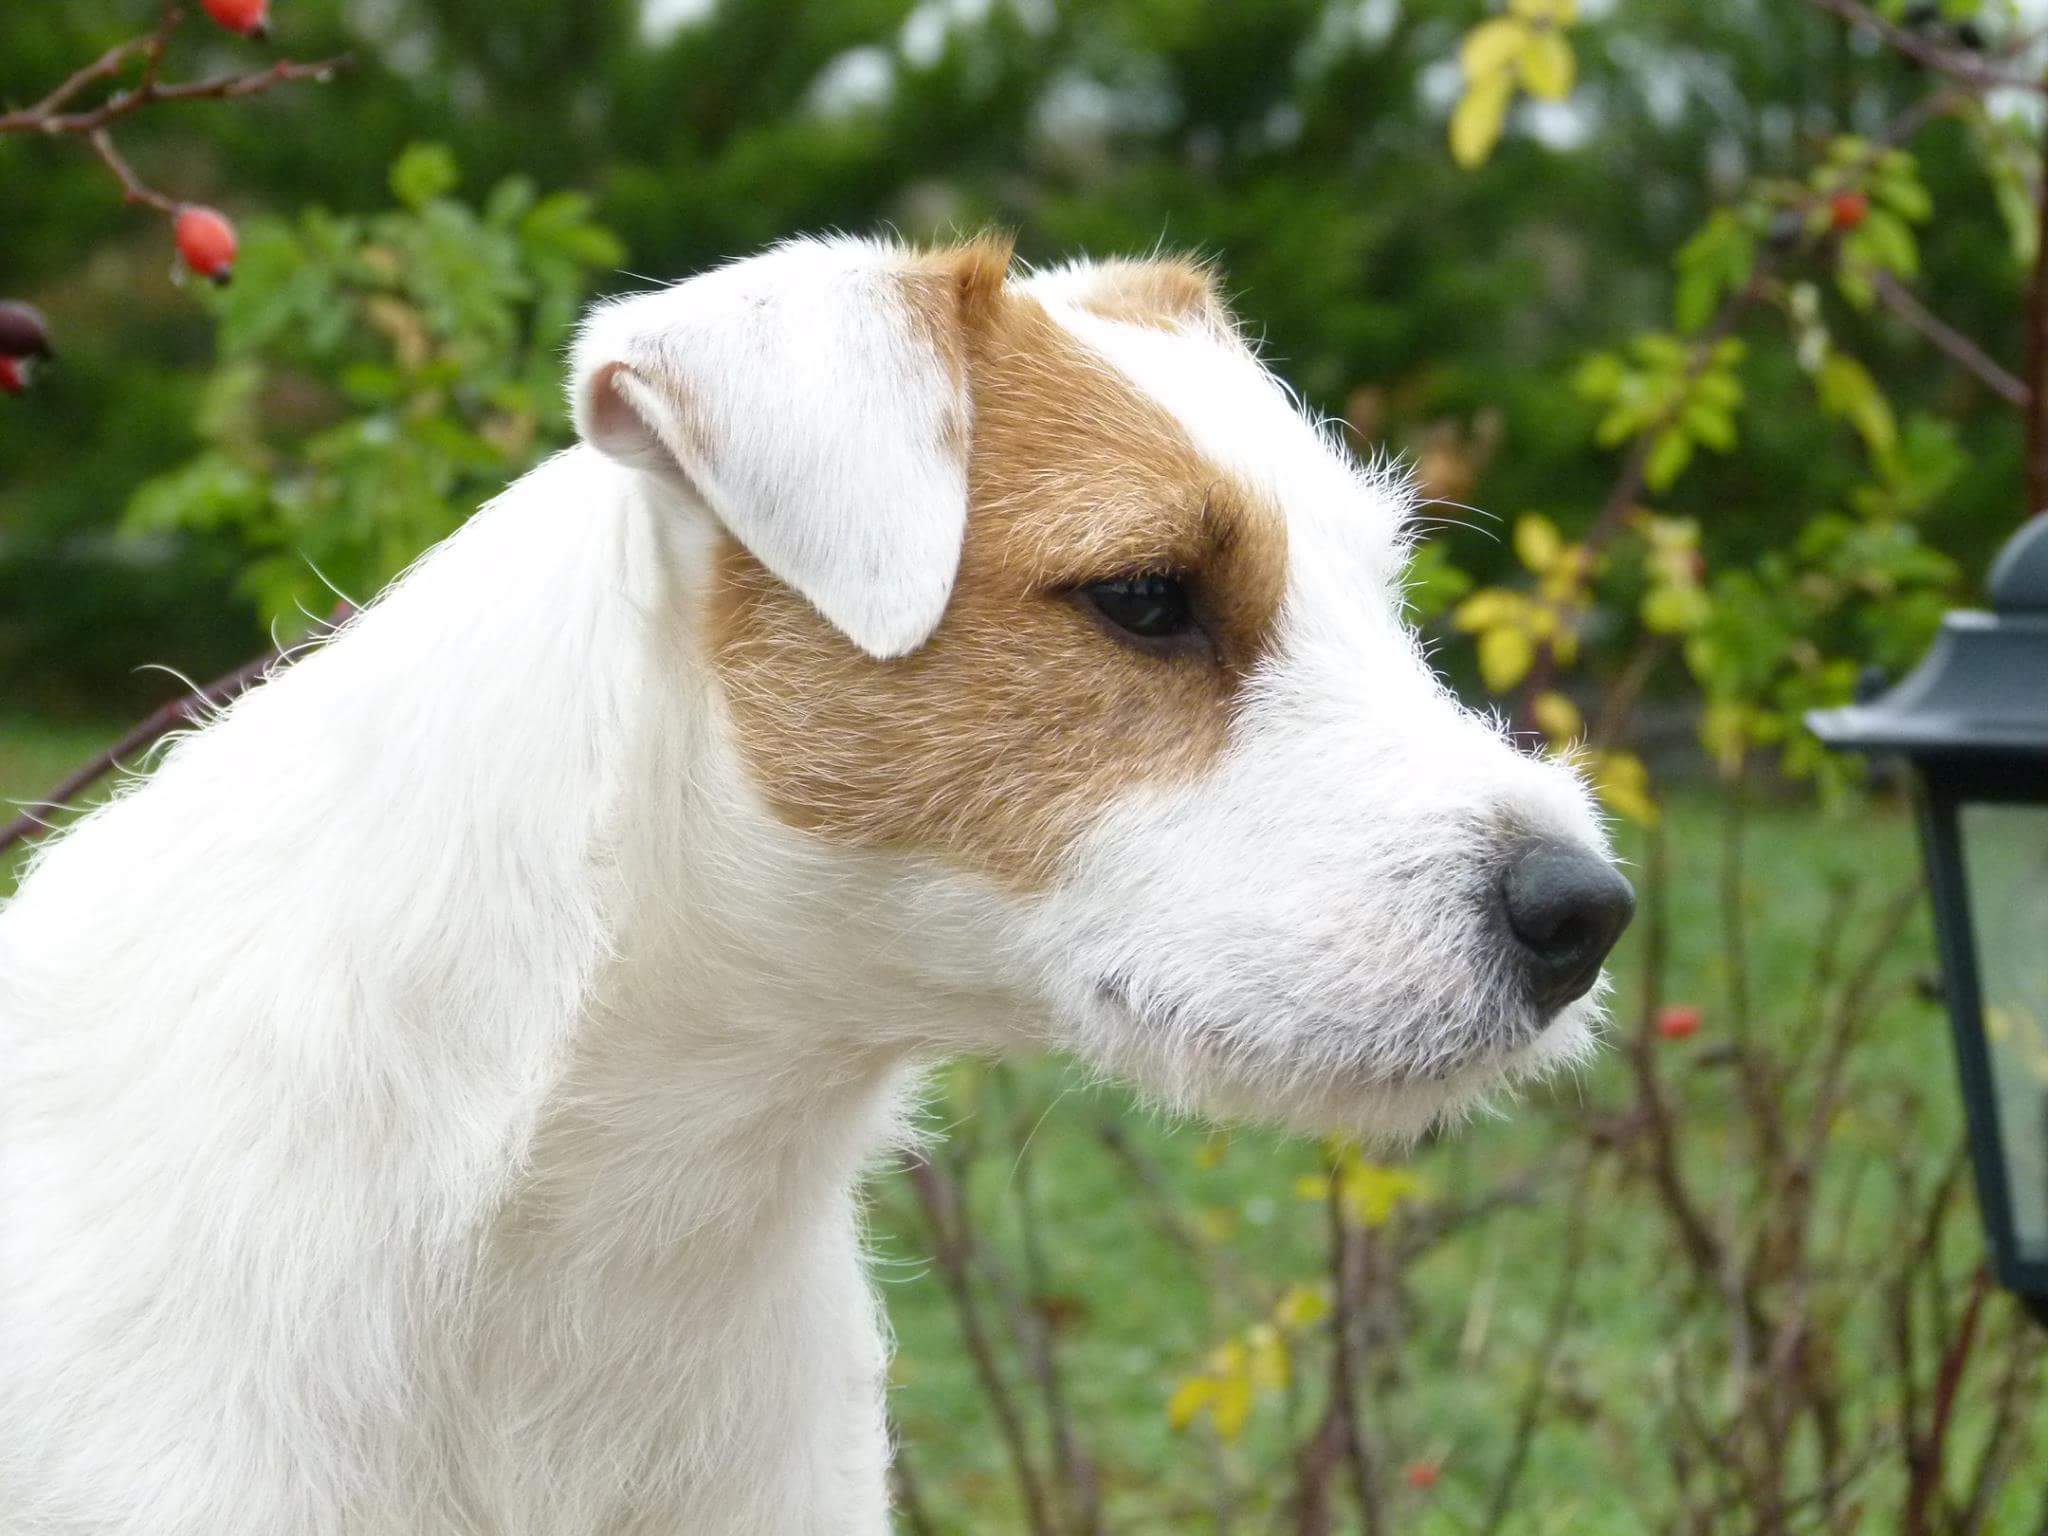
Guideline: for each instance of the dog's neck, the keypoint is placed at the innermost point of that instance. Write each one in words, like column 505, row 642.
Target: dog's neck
column 735, row 1055
column 705, row 1049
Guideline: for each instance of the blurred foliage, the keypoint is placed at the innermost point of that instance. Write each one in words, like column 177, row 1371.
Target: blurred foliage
column 1305, row 142
column 378, row 380
column 1625, row 273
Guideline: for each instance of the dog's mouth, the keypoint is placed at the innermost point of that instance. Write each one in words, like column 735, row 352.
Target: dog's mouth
column 1347, row 1054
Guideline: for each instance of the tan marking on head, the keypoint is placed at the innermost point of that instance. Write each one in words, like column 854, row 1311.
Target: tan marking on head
column 1022, row 717
column 1165, row 293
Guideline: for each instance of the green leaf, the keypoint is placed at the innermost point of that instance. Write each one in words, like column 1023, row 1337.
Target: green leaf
column 1848, row 391
column 1716, row 260
column 1600, row 376
column 1669, row 456
column 1886, row 241
column 423, row 173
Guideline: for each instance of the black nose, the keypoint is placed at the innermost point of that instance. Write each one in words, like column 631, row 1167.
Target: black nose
column 1566, row 906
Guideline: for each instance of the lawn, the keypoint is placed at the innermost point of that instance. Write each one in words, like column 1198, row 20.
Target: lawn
column 1142, row 1245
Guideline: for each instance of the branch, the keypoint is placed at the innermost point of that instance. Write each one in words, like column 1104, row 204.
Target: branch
column 51, row 117
column 1961, row 67
column 1926, row 1458
column 1347, row 1283
column 1901, row 301
column 148, row 93
column 133, row 189
column 1554, row 1329
column 951, row 1247
column 2037, row 356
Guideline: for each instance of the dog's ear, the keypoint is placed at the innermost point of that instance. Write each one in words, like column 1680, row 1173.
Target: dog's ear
column 815, row 398
column 1163, row 291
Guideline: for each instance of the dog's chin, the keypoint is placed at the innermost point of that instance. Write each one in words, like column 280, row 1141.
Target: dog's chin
column 1384, row 1107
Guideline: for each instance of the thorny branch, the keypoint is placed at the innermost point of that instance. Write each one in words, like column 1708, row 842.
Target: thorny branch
column 59, row 114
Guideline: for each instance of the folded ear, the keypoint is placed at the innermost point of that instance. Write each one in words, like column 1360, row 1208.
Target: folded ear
column 1167, row 292
column 815, row 398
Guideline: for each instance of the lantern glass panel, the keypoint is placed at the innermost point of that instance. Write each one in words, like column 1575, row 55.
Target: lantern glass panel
column 2006, row 856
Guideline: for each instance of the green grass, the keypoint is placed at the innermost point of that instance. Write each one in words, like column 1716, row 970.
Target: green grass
column 1135, row 1308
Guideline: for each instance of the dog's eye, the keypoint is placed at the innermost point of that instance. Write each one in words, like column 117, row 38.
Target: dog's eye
column 1153, row 607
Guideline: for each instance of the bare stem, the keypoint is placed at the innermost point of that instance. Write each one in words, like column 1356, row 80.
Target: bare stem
column 56, row 116
column 1962, row 67
column 133, row 189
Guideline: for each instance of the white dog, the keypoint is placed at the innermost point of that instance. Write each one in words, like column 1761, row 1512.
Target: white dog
column 434, row 1101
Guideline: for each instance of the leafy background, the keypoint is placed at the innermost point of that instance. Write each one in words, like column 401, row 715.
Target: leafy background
column 1621, row 282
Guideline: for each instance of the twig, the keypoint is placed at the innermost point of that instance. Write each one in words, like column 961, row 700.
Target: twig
column 1927, row 1455
column 952, row 1248
column 1346, row 1277
column 1072, row 1464
column 49, row 117
column 1695, row 1235
column 105, row 67
column 1901, row 301
column 1963, row 68
column 132, row 188
column 2037, row 356
column 148, row 92
column 1554, row 1328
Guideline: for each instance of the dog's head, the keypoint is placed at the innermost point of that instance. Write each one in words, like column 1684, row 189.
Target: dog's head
column 1051, row 582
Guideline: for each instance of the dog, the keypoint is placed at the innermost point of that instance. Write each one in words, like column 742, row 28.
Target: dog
column 434, row 1099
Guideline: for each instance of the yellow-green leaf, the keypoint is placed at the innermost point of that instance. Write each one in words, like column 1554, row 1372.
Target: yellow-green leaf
column 1674, row 610
column 1624, row 783
column 1558, row 13
column 1189, row 1398
column 1556, row 716
column 1268, row 1361
column 1490, row 608
column 1547, row 66
column 1492, row 47
column 1302, row 1306
column 1479, row 117
column 1505, row 656
column 1537, row 542
column 1233, row 1405
column 1372, row 1192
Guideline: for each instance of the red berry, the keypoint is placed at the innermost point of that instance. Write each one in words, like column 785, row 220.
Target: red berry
column 22, row 331
column 1847, row 209
column 1680, row 1021
column 207, row 242
column 13, row 376
column 1423, row 1475
column 251, row 18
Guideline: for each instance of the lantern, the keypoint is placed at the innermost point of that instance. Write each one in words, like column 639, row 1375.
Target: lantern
column 1972, row 720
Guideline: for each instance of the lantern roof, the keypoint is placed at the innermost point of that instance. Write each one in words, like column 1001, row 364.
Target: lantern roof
column 1982, row 688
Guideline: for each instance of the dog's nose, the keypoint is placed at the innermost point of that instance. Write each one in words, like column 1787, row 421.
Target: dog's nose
column 1566, row 906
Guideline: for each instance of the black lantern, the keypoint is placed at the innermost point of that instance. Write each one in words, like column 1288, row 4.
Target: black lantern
column 1972, row 719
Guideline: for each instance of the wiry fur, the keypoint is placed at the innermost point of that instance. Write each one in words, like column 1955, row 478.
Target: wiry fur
column 433, row 1101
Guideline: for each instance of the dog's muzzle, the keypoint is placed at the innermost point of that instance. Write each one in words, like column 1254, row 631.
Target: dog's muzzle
column 1565, row 906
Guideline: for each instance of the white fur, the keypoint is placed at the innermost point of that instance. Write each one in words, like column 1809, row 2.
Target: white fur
column 434, row 1100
